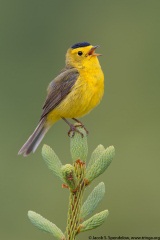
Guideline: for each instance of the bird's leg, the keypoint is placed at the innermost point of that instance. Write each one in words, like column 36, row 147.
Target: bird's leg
column 81, row 124
column 72, row 128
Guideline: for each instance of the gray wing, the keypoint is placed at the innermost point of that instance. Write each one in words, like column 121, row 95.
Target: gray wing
column 59, row 88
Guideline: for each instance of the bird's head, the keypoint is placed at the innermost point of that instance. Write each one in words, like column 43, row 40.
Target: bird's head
column 82, row 55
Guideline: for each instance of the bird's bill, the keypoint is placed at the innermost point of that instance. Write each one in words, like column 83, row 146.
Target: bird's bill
column 92, row 51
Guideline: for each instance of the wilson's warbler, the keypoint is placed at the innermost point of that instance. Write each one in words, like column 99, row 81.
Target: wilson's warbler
column 77, row 89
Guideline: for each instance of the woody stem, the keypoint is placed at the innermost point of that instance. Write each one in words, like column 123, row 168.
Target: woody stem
column 75, row 202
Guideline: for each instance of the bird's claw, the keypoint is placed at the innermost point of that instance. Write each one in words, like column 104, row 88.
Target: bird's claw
column 82, row 126
column 74, row 129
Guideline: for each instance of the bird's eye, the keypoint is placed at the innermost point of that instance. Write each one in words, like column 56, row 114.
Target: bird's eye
column 80, row 53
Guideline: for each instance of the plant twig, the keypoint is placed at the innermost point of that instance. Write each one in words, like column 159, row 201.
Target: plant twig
column 76, row 177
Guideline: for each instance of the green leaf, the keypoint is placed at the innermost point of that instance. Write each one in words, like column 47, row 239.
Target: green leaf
column 96, row 155
column 45, row 225
column 69, row 176
column 52, row 161
column 78, row 145
column 93, row 200
column 94, row 221
column 101, row 164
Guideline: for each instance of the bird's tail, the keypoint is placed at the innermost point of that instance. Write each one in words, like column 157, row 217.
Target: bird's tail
column 34, row 140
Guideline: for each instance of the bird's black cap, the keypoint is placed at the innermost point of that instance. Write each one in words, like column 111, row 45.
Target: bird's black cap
column 81, row 44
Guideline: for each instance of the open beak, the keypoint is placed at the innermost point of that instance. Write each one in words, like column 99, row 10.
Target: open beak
column 92, row 51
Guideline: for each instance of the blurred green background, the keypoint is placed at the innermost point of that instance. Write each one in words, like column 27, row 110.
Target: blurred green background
column 34, row 37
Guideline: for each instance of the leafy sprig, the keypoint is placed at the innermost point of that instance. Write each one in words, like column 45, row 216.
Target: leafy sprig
column 76, row 177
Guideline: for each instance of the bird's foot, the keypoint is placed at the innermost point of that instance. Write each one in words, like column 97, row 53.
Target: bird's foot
column 81, row 125
column 73, row 129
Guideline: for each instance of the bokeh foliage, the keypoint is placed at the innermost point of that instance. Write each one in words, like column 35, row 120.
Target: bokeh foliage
column 34, row 38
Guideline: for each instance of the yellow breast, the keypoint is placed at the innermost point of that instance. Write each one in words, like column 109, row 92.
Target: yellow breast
column 86, row 94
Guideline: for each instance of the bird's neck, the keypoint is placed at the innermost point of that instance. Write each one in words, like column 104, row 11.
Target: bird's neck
column 92, row 63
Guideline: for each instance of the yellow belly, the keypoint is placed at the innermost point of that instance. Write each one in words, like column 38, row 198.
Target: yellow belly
column 84, row 96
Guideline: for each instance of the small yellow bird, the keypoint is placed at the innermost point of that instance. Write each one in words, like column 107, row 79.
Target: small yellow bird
column 73, row 93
